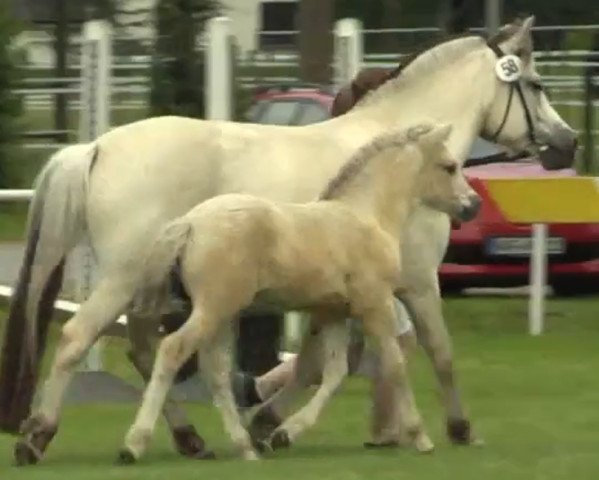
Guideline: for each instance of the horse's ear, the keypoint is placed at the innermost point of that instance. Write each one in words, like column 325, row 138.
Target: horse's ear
column 520, row 42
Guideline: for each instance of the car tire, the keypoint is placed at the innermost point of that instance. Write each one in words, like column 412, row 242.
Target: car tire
column 451, row 290
column 574, row 288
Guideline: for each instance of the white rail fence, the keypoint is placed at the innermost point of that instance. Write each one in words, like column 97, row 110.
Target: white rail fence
column 94, row 120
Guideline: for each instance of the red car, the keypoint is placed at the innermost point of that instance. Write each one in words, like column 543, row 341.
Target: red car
column 488, row 251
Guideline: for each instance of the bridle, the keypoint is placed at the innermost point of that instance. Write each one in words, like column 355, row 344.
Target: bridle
column 517, row 86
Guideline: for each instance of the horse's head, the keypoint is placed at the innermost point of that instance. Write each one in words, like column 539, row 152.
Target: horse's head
column 440, row 183
column 520, row 116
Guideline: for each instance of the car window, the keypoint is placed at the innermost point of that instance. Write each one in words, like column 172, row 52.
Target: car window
column 253, row 112
column 312, row 113
column 483, row 148
column 278, row 113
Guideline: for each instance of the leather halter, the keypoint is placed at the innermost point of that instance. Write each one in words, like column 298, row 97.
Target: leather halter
column 517, row 86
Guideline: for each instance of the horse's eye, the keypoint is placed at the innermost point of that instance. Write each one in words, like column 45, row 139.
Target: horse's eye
column 451, row 169
column 536, row 86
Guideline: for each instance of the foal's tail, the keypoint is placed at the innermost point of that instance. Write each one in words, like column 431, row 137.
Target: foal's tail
column 56, row 221
column 154, row 293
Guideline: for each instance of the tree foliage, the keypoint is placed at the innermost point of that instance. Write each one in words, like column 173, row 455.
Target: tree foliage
column 177, row 65
column 10, row 104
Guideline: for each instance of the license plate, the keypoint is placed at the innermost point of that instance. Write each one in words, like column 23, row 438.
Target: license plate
column 522, row 246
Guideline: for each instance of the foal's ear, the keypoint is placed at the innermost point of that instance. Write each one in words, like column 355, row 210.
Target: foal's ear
column 438, row 134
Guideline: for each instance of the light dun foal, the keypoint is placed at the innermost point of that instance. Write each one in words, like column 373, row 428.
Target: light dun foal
column 334, row 257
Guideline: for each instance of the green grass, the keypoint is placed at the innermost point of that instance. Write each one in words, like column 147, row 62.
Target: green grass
column 534, row 400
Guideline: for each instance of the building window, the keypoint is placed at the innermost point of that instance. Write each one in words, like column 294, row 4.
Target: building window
column 277, row 17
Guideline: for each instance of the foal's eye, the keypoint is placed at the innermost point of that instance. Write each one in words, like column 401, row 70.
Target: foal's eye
column 451, row 169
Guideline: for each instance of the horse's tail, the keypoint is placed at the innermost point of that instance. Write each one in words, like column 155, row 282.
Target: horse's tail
column 154, row 293
column 56, row 221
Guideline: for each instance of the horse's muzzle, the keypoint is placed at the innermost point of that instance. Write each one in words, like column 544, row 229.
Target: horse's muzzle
column 560, row 150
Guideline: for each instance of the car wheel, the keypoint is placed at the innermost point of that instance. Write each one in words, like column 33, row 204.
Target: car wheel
column 451, row 290
column 574, row 288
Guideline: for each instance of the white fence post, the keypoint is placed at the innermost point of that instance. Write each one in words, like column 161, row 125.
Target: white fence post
column 218, row 69
column 538, row 275
column 348, row 50
column 94, row 120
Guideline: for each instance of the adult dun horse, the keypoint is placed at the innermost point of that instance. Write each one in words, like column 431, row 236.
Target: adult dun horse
column 333, row 257
column 121, row 188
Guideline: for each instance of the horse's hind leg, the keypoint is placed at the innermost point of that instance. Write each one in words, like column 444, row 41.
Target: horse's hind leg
column 141, row 333
column 102, row 308
column 306, row 370
column 335, row 340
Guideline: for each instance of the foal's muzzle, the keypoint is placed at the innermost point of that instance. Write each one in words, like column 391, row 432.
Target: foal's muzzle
column 469, row 209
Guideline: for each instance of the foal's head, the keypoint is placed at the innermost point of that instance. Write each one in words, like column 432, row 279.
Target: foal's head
column 440, row 182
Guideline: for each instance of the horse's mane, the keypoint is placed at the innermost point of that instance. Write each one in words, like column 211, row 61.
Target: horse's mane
column 438, row 52
column 362, row 157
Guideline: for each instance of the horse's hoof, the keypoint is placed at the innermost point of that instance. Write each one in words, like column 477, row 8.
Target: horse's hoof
column 262, row 446
column 263, row 424
column 459, row 432
column 280, row 439
column 125, row 457
column 25, row 454
column 190, row 444
column 384, row 444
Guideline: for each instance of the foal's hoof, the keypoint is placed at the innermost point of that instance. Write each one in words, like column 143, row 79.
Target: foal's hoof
column 189, row 443
column 280, row 439
column 125, row 457
column 25, row 454
column 459, row 432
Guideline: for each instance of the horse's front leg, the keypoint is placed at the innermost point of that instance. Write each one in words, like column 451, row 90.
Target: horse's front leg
column 141, row 331
column 334, row 340
column 425, row 308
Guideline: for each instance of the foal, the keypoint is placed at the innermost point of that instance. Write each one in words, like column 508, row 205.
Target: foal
column 334, row 257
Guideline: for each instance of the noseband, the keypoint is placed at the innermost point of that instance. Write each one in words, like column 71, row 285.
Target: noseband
column 517, row 86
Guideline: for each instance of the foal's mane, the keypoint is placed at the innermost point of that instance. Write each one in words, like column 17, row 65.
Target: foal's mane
column 437, row 53
column 359, row 160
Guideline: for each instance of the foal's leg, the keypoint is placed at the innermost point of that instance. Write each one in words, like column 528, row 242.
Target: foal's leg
column 142, row 334
column 379, row 324
column 216, row 360
column 102, row 308
column 425, row 308
column 335, row 340
column 174, row 349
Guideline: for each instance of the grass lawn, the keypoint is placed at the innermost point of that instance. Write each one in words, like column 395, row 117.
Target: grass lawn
column 534, row 400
